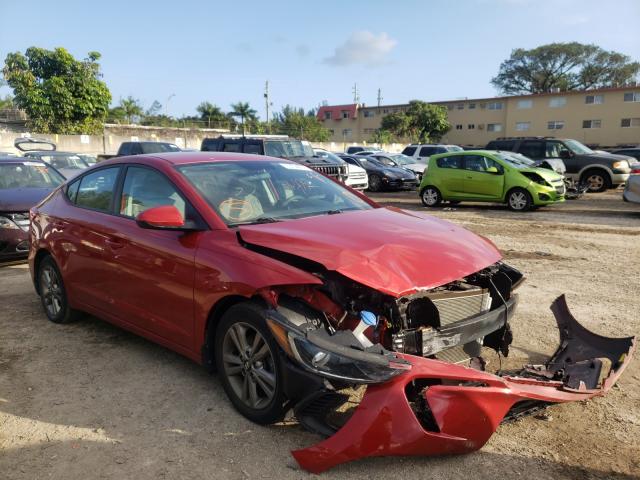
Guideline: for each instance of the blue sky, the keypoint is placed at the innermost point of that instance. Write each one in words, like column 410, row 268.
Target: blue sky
column 309, row 51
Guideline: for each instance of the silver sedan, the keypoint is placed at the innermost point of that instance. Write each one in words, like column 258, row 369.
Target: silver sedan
column 632, row 189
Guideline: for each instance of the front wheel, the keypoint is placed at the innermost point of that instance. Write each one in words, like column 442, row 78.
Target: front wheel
column 375, row 183
column 248, row 361
column 431, row 197
column 597, row 180
column 519, row 200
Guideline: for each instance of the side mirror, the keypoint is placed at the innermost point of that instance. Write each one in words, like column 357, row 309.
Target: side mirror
column 493, row 170
column 565, row 154
column 166, row 217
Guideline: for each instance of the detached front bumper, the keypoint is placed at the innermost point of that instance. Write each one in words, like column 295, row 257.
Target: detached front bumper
column 438, row 408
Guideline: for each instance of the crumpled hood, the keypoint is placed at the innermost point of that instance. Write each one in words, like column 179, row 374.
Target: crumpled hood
column 548, row 175
column 21, row 199
column 393, row 251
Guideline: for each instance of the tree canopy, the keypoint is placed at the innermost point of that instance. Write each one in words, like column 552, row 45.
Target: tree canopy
column 59, row 93
column 566, row 66
column 422, row 122
column 295, row 122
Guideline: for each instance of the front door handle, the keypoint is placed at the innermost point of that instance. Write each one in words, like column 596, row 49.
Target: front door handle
column 115, row 243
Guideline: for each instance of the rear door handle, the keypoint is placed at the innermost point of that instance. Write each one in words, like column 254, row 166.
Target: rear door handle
column 115, row 243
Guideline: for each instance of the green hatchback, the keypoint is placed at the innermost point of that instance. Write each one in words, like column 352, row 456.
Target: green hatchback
column 489, row 176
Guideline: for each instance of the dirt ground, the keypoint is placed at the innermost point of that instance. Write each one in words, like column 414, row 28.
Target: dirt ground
column 88, row 400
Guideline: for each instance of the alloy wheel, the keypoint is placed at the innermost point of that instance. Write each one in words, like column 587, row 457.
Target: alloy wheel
column 375, row 183
column 249, row 365
column 595, row 182
column 51, row 289
column 430, row 197
column 518, row 200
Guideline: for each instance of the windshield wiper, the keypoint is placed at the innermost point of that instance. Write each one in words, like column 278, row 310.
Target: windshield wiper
column 333, row 212
column 256, row 221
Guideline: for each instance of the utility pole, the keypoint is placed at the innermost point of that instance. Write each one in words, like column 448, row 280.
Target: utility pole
column 267, row 103
column 356, row 95
column 379, row 97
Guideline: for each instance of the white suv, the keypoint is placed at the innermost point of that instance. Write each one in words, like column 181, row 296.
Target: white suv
column 422, row 152
column 357, row 179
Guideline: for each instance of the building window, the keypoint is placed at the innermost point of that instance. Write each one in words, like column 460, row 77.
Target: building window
column 471, row 126
column 591, row 123
column 494, row 106
column 368, row 113
column 630, row 122
column 449, row 107
column 327, row 115
column 523, row 126
column 346, row 133
column 632, row 97
column 345, row 113
column 369, row 131
column 594, row 99
column 459, row 127
column 494, row 127
column 385, row 110
column 556, row 102
column 460, row 106
column 472, row 106
column 528, row 103
column 555, row 125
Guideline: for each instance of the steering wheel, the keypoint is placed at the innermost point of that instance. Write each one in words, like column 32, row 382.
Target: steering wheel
column 295, row 198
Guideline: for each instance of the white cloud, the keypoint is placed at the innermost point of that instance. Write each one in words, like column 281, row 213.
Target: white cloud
column 363, row 47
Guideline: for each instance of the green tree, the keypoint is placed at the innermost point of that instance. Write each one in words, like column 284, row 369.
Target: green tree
column 154, row 109
column 382, row 137
column 131, row 108
column 422, row 122
column 59, row 93
column 295, row 122
column 244, row 111
column 210, row 112
column 567, row 66
column 6, row 102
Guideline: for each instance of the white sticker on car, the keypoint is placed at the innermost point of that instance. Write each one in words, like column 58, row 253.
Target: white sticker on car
column 293, row 166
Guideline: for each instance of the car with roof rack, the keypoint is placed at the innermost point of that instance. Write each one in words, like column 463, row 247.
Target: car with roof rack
column 600, row 170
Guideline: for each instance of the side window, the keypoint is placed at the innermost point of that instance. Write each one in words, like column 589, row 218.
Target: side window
column 479, row 163
column 409, row 151
column 136, row 149
column 426, row 151
column 384, row 160
column 145, row 188
column 72, row 191
column 553, row 149
column 210, row 145
column 125, row 149
column 252, row 148
column 96, row 189
column 532, row 149
column 231, row 147
column 453, row 161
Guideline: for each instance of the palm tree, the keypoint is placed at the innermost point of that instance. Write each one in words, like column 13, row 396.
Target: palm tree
column 131, row 108
column 244, row 111
column 209, row 111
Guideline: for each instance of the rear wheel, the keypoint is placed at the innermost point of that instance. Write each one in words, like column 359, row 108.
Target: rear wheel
column 431, row 197
column 248, row 361
column 53, row 294
column 598, row 180
column 375, row 183
column 519, row 200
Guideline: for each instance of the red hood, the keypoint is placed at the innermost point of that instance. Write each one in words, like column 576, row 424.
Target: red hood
column 394, row 251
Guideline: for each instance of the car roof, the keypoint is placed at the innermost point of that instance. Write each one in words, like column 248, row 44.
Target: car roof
column 7, row 159
column 469, row 152
column 185, row 158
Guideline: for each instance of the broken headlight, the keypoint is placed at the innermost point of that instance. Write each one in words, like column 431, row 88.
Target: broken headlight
column 316, row 352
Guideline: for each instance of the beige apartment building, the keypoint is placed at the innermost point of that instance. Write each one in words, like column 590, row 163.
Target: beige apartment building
column 604, row 117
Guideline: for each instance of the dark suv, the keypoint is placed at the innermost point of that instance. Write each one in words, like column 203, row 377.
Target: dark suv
column 277, row 146
column 599, row 170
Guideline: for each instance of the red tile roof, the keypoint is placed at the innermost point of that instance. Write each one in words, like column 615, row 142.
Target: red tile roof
column 336, row 111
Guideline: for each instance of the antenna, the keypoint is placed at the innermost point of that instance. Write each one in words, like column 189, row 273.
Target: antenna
column 356, row 94
column 380, row 98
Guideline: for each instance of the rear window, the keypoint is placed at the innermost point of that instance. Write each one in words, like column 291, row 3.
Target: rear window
column 231, row 147
column 409, row 151
column 453, row 161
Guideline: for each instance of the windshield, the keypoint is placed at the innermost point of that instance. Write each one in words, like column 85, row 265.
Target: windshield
column 64, row 162
column 287, row 149
column 328, row 155
column 576, row 147
column 28, row 175
column 402, row 159
column 515, row 159
column 258, row 192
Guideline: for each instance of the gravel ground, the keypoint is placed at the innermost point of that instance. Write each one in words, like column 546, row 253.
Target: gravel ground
column 89, row 400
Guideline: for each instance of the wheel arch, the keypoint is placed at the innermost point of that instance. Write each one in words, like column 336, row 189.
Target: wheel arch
column 40, row 255
column 595, row 166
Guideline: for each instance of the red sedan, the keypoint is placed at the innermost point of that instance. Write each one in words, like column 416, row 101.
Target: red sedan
column 296, row 288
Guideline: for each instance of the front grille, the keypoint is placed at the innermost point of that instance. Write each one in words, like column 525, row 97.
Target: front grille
column 337, row 171
column 20, row 219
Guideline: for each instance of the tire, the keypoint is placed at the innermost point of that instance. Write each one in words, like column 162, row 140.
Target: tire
column 598, row 180
column 519, row 200
column 375, row 183
column 53, row 294
column 430, row 196
column 254, row 385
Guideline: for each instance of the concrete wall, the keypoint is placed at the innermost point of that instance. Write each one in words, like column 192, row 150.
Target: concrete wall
column 113, row 136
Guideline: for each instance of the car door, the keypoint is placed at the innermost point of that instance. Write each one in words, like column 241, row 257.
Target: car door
column 153, row 270
column 449, row 177
column 84, row 234
column 481, row 181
